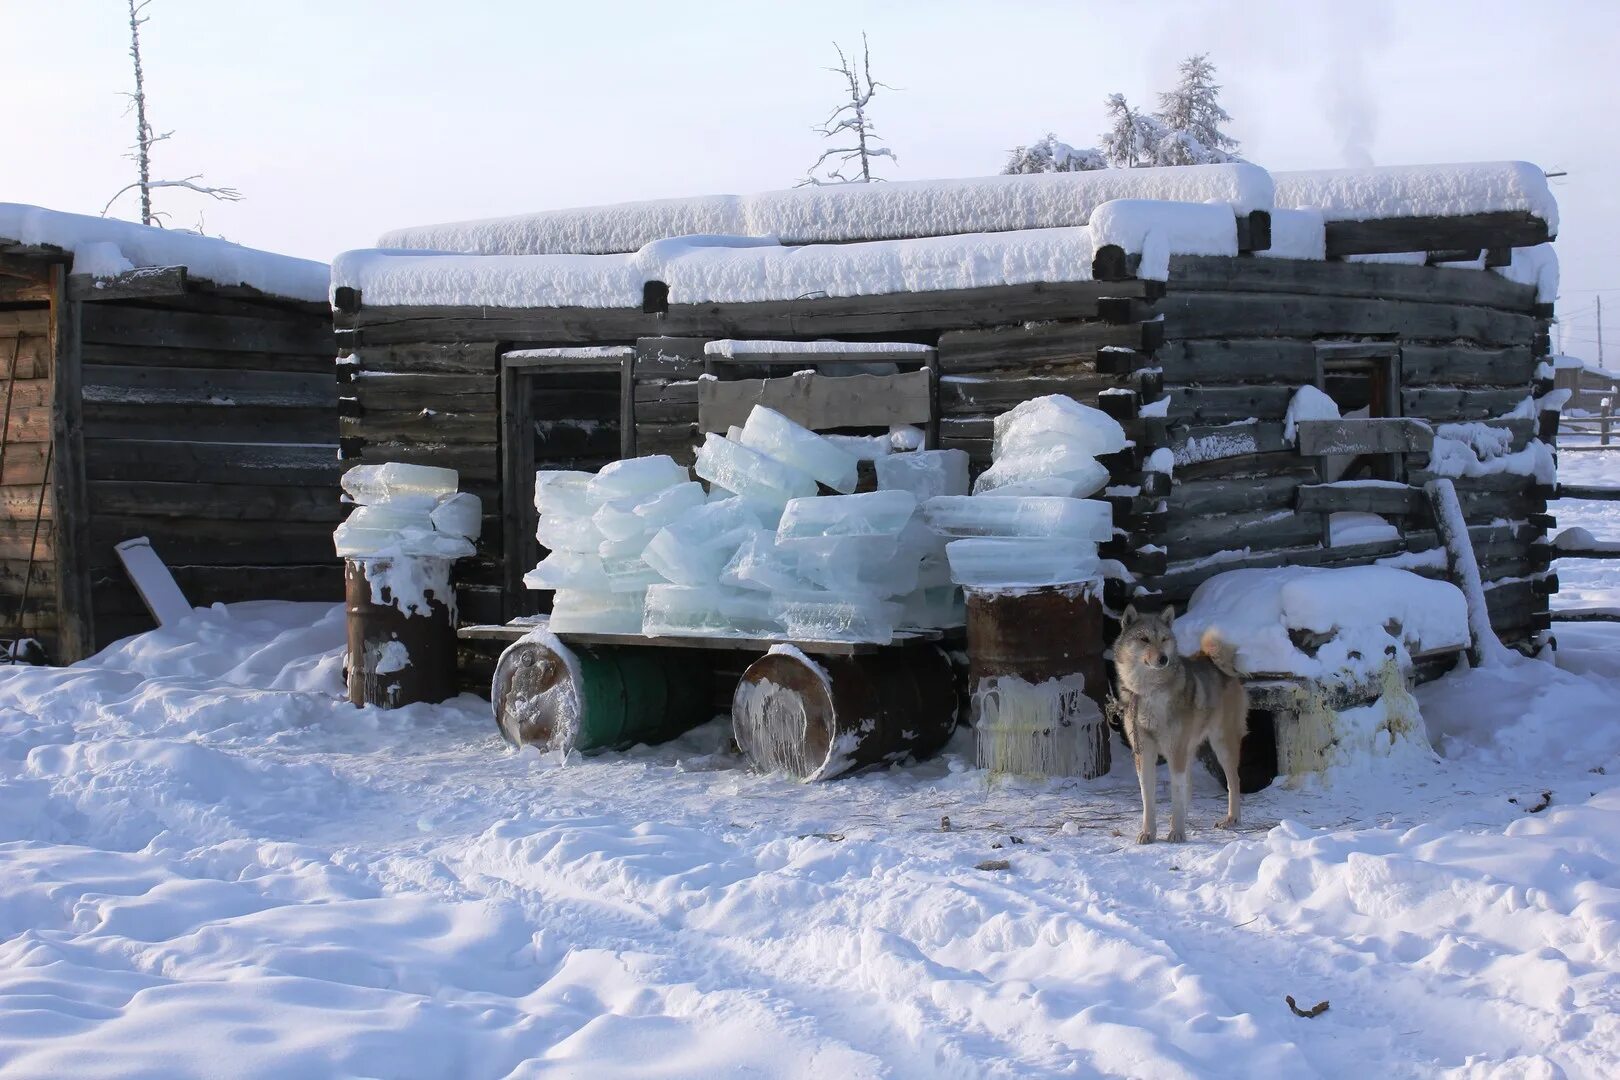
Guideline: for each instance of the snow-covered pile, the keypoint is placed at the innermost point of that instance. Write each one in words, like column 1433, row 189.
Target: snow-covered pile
column 1308, row 403
column 640, row 548
column 1397, row 191
column 840, row 213
column 1028, row 521
column 1478, row 449
column 1325, row 623
column 413, row 522
column 107, row 247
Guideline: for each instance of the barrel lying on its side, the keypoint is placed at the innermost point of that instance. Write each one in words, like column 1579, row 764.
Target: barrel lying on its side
column 815, row 719
column 599, row 698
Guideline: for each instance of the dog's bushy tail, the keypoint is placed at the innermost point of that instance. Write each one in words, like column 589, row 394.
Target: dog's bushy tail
column 1221, row 653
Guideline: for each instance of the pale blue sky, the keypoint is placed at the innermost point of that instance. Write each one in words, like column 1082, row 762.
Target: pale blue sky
column 342, row 118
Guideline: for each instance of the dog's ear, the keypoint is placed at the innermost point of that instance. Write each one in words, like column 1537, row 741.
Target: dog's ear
column 1129, row 616
column 1168, row 616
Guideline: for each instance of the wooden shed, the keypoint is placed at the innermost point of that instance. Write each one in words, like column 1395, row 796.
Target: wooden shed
column 166, row 385
column 1192, row 304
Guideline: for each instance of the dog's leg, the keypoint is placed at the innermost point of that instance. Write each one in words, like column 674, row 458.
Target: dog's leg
column 1147, row 776
column 1180, row 789
column 1228, row 751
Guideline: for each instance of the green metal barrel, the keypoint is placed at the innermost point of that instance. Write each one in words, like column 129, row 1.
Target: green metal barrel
column 598, row 698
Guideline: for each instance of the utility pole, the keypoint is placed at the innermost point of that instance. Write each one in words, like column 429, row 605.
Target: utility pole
column 1600, row 328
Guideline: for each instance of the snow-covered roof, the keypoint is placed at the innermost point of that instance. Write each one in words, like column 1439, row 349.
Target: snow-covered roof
column 1397, row 191
column 106, row 247
column 840, row 213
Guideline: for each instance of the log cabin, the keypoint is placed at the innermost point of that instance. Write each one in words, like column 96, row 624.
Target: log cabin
column 1192, row 304
column 158, row 384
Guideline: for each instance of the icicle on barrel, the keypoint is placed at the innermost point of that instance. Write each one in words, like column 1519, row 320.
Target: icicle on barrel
column 409, row 525
column 1025, row 546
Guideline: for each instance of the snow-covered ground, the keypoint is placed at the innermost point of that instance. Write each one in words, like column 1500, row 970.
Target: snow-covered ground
column 210, row 865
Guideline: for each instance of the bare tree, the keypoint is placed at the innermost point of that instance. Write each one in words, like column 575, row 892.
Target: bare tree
column 146, row 138
column 850, row 122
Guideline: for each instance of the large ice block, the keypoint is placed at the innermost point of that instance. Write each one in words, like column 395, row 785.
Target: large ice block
column 568, row 570
column 750, row 473
column 925, row 473
column 774, row 435
column 580, row 611
column 1059, row 459
column 564, row 532
column 563, row 491
column 996, row 562
column 709, row 611
column 1041, row 421
column 863, row 565
column 367, row 484
column 630, row 573
column 390, row 515
column 934, row 607
column 760, row 565
column 862, row 447
column 1061, row 487
column 620, row 519
column 875, row 513
column 636, row 478
column 819, row 617
column 461, row 514
column 352, row 542
column 1032, row 516
column 693, row 549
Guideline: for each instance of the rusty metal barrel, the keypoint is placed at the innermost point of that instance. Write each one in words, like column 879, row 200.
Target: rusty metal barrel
column 1037, row 680
column 402, row 633
column 567, row 698
column 816, row 718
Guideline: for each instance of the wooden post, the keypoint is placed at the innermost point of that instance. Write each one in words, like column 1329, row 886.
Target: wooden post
column 69, row 489
column 1606, row 416
column 1464, row 568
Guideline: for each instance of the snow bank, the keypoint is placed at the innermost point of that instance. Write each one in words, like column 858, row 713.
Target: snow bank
column 1395, row 191
column 106, row 247
column 1375, row 613
column 839, row 213
column 1160, row 229
column 1297, row 234
column 1536, row 266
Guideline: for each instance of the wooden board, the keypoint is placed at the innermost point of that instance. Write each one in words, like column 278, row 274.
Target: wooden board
column 1462, row 232
column 820, row 402
column 1287, row 315
column 1380, row 281
column 1383, row 435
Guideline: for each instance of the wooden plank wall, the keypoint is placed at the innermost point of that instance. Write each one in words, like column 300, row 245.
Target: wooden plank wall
column 1242, row 334
column 210, row 426
column 25, row 494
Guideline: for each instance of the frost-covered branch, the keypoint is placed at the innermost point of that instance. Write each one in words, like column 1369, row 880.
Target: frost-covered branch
column 851, row 119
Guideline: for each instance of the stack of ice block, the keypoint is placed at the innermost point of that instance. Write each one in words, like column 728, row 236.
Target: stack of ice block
column 1028, row 522
column 407, row 510
column 597, row 527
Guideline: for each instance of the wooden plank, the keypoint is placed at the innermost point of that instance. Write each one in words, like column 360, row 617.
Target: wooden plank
column 1381, row 435
column 1244, row 360
column 1264, row 530
column 1066, row 343
column 451, row 358
column 124, row 355
column 820, row 402
column 1200, row 498
column 1362, row 498
column 853, row 353
column 1289, row 315
column 69, row 492
column 890, row 315
column 1225, row 404
column 141, row 283
column 1506, row 228
column 1197, row 444
column 421, row 426
column 223, row 502
column 106, row 384
column 1459, row 365
column 218, row 423
column 1380, row 281
column 178, row 540
column 476, row 463
column 1444, row 404
column 114, row 596
column 116, row 324
column 212, row 462
column 998, row 392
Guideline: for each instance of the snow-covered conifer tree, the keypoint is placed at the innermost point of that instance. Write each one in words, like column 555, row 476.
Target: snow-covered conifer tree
column 852, row 125
column 1051, row 154
column 1134, row 138
column 1192, row 117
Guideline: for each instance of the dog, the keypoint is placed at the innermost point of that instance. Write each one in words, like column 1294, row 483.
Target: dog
column 1171, row 705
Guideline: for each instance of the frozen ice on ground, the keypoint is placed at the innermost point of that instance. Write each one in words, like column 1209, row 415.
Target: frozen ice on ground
column 760, row 565
column 820, row 617
column 1063, row 461
column 873, row 513
column 398, row 482
column 1037, row 424
column 693, row 549
column 924, row 473
column 636, row 478
column 709, row 611
column 751, row 474
column 461, row 514
column 1034, row 516
column 997, row 562
column 1373, row 613
column 775, row 436
column 596, row 611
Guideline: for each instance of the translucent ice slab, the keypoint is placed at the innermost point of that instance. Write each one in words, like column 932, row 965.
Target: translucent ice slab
column 367, row 484
column 620, row 519
column 925, row 473
column 750, row 473
column 875, row 566
column 709, row 611
column 1031, row 516
column 876, row 513
column 588, row 612
column 694, row 549
column 760, row 565
column 1060, row 459
column 564, row 532
column 563, row 491
column 836, row 618
column 636, row 478
column 1041, row 421
column 568, row 570
column 774, row 435
column 985, row 562
column 461, row 514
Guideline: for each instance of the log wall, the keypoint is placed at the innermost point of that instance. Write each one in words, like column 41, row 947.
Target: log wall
column 28, row 547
